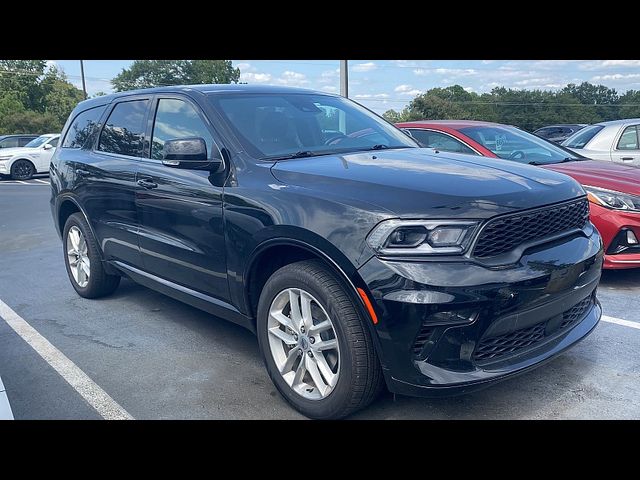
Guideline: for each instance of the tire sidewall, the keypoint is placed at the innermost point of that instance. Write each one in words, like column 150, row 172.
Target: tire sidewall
column 72, row 221
column 327, row 407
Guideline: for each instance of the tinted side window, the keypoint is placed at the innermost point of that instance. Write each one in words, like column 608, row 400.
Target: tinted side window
column 123, row 132
column 177, row 119
column 82, row 129
column 628, row 139
column 440, row 141
column 22, row 141
column 54, row 142
column 10, row 142
column 543, row 132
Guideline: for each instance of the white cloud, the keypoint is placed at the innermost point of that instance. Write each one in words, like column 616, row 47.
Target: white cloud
column 403, row 88
column 412, row 93
column 421, row 71
column 329, row 88
column 329, row 76
column 372, row 95
column 469, row 89
column 251, row 77
column 364, row 67
column 458, row 72
column 243, row 66
column 616, row 77
column 597, row 64
column 292, row 78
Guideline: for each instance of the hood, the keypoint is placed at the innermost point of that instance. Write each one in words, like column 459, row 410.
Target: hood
column 419, row 182
column 604, row 174
column 18, row 151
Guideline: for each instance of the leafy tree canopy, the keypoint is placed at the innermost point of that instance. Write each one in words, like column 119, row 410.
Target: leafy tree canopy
column 154, row 73
column 528, row 109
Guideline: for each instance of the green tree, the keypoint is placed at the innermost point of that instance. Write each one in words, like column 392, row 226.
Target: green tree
column 153, row 73
column 22, row 77
column 393, row 116
column 28, row 121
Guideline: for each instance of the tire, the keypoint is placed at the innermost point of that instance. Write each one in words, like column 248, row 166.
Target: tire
column 99, row 283
column 359, row 375
column 22, row 170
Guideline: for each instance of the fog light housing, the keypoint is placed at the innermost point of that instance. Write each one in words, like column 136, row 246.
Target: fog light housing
column 457, row 317
column 631, row 238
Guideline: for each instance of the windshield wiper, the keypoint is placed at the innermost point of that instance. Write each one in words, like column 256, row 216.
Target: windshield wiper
column 300, row 154
column 379, row 146
column 536, row 163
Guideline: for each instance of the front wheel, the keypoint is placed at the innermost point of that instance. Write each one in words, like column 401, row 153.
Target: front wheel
column 22, row 170
column 315, row 345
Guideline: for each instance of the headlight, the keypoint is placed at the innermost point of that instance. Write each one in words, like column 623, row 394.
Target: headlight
column 419, row 237
column 613, row 199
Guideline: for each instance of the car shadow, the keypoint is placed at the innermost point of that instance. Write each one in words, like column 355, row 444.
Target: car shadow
column 621, row 279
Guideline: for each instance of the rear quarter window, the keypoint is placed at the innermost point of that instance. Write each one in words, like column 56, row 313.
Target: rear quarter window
column 83, row 128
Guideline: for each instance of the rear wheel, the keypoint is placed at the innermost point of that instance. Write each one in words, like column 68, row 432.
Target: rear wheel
column 83, row 262
column 22, row 170
column 314, row 342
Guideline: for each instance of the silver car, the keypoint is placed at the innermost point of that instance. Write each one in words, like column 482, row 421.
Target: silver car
column 615, row 141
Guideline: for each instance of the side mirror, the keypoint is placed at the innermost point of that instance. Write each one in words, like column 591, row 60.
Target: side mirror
column 47, row 146
column 191, row 153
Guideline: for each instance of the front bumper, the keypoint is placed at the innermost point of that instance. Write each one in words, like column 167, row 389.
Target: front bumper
column 509, row 319
column 4, row 167
column 609, row 223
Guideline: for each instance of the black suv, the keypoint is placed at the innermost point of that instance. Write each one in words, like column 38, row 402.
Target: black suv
column 356, row 257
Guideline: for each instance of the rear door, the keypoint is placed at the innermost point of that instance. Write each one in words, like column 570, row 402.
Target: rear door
column 180, row 210
column 105, row 179
column 626, row 148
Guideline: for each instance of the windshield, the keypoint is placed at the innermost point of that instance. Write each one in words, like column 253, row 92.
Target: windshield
column 36, row 142
column 271, row 126
column 582, row 137
column 512, row 143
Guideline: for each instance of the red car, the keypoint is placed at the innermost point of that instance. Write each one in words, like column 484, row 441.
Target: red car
column 613, row 189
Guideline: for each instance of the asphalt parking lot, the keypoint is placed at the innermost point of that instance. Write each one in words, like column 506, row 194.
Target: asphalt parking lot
column 160, row 359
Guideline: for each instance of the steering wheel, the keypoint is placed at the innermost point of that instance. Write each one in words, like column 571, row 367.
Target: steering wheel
column 332, row 140
column 516, row 155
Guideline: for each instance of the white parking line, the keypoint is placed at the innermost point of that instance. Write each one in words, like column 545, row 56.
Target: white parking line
column 20, row 181
column 100, row 400
column 620, row 321
column 41, row 181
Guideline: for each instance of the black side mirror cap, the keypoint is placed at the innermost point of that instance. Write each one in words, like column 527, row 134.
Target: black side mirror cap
column 191, row 153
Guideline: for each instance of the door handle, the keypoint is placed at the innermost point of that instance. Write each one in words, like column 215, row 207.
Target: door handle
column 147, row 183
column 82, row 173
column 627, row 159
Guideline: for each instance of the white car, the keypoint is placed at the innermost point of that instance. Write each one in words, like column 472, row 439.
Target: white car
column 23, row 162
column 615, row 141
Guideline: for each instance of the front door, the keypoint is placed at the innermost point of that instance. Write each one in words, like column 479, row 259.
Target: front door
column 627, row 149
column 43, row 160
column 180, row 211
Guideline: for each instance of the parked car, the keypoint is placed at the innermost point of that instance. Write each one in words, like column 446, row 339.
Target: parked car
column 559, row 133
column 613, row 189
column 13, row 141
column 356, row 259
column 24, row 162
column 615, row 141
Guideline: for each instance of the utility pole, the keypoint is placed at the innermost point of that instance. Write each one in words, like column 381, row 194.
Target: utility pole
column 344, row 78
column 84, row 85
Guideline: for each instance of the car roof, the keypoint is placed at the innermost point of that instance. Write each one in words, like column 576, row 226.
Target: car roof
column 564, row 125
column 450, row 123
column 619, row 122
column 223, row 88
column 34, row 135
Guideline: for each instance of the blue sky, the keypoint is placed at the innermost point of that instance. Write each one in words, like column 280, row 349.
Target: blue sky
column 384, row 84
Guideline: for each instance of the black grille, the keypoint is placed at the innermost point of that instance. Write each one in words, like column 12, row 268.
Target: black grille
column 421, row 339
column 504, row 234
column 494, row 348
column 575, row 313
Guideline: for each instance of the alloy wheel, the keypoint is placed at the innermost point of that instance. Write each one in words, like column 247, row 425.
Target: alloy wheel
column 303, row 343
column 78, row 257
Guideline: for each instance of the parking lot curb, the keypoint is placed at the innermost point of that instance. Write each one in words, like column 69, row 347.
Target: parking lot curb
column 5, row 408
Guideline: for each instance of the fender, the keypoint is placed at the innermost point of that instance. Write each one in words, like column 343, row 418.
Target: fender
column 346, row 271
column 61, row 198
